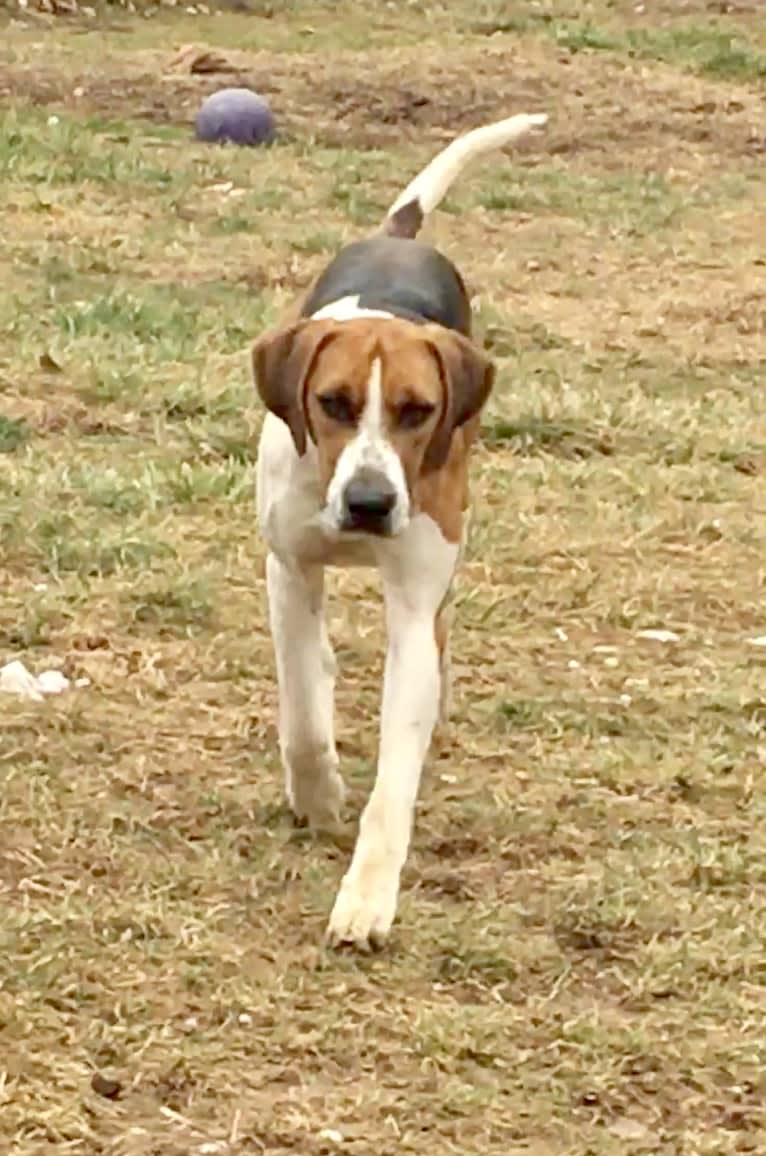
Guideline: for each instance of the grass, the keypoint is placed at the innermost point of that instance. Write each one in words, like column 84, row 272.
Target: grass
column 577, row 967
column 711, row 49
column 699, row 37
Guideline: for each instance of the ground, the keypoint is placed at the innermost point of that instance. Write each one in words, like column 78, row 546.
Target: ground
column 578, row 964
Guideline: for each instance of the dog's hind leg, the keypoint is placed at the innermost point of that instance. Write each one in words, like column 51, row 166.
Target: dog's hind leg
column 306, row 679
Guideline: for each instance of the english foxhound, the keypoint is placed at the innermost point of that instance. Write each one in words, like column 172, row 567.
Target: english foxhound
column 374, row 391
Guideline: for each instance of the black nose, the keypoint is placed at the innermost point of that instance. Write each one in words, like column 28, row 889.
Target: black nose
column 369, row 498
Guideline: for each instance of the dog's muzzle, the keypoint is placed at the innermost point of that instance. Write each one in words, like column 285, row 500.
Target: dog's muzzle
column 369, row 499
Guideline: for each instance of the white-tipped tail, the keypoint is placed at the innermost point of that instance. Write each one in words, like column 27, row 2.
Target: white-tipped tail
column 429, row 187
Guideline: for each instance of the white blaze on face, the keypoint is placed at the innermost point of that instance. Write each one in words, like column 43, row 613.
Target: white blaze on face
column 371, row 450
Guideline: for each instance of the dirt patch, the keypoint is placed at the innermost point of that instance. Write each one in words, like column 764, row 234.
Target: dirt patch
column 653, row 111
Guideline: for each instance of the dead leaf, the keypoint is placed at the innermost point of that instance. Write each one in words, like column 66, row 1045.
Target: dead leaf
column 49, row 363
column 196, row 60
column 208, row 62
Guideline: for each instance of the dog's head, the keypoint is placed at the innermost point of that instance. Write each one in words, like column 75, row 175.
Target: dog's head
column 380, row 398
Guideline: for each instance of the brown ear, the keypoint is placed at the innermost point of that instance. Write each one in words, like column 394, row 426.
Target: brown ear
column 467, row 378
column 282, row 361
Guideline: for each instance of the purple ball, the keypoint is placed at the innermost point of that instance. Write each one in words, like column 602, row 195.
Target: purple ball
column 237, row 115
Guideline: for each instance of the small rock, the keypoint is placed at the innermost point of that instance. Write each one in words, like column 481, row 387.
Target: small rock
column 103, row 1086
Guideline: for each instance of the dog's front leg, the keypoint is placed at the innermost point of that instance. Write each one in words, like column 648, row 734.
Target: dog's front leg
column 366, row 903
column 306, row 677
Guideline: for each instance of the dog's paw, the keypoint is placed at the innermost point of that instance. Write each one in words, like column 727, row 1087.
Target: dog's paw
column 364, row 910
column 317, row 800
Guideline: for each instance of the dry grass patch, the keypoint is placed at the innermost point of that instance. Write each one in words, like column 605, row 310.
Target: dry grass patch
column 578, row 962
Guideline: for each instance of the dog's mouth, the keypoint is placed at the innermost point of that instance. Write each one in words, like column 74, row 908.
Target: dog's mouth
column 356, row 529
column 374, row 525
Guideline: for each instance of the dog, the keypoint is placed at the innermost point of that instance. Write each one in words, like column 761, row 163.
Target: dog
column 374, row 390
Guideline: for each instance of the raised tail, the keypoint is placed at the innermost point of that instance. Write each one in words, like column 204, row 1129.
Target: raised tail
column 429, row 187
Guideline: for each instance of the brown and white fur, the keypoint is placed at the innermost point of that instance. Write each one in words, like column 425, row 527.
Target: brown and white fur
column 374, row 390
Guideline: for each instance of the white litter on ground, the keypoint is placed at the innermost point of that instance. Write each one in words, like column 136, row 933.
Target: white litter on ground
column 16, row 679
column 759, row 641
column 52, row 682
column 659, row 635
column 331, row 1135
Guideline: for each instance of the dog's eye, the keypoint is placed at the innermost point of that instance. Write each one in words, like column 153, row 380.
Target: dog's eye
column 338, row 407
column 413, row 413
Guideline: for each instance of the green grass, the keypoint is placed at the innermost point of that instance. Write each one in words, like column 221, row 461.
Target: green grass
column 577, row 966
column 13, row 433
column 44, row 152
column 711, row 49
column 710, row 46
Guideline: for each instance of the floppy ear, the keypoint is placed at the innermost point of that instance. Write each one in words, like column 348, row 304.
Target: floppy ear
column 467, row 377
column 282, row 361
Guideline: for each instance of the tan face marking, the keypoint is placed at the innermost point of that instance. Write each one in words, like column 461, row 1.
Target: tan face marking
column 376, row 390
column 379, row 394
